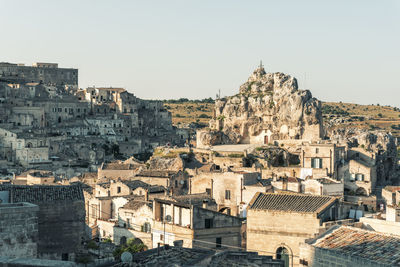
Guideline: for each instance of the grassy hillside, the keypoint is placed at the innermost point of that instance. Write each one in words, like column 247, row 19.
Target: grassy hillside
column 364, row 116
column 184, row 112
column 354, row 115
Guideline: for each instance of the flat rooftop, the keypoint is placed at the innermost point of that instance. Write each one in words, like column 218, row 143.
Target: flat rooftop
column 233, row 148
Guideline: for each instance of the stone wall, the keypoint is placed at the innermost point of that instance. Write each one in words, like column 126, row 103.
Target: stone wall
column 56, row 76
column 269, row 230
column 217, row 183
column 19, row 230
column 61, row 228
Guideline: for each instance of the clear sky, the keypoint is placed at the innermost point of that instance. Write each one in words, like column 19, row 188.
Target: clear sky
column 341, row 50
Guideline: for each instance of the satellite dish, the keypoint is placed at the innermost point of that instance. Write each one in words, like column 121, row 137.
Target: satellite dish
column 126, row 257
column 168, row 218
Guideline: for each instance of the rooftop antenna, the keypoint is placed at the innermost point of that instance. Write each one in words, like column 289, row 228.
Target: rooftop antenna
column 261, row 65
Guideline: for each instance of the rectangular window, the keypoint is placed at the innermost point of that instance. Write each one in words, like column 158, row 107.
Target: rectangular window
column 303, row 262
column 316, row 163
column 227, row 194
column 118, row 189
column 360, row 177
column 161, row 237
column 218, row 242
column 208, row 223
column 208, row 191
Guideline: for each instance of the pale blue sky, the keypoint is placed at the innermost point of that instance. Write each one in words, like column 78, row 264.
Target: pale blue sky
column 347, row 50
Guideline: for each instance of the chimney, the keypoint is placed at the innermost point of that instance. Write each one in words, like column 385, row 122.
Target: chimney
column 205, row 203
column 146, row 195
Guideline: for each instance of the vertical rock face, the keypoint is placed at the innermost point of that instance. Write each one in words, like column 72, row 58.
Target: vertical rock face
column 268, row 104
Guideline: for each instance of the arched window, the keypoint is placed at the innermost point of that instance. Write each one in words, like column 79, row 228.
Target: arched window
column 122, row 241
column 283, row 254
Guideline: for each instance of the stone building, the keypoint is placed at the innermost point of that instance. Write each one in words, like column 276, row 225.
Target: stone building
column 278, row 223
column 35, row 177
column 134, row 187
column 323, row 159
column 391, row 195
column 389, row 224
column 61, row 217
column 115, row 170
column 287, row 184
column 24, row 147
column 231, row 190
column 135, row 219
column 349, row 246
column 194, row 226
column 47, row 73
column 19, row 232
column 323, row 186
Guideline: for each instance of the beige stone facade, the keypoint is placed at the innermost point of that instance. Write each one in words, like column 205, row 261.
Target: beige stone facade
column 228, row 188
column 276, row 229
column 324, row 159
column 194, row 226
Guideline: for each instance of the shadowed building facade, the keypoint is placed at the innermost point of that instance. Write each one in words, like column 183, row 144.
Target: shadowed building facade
column 61, row 217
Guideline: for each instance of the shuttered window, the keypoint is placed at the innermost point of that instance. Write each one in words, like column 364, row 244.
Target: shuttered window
column 316, row 163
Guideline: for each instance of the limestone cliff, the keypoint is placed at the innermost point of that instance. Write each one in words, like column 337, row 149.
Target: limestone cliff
column 268, row 104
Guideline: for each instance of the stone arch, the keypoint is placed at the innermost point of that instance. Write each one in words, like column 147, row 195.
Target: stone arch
column 122, row 240
column 285, row 253
column 361, row 192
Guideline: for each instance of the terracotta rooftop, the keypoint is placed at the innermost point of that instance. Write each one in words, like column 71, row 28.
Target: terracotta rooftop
column 290, row 202
column 172, row 256
column 368, row 245
column 42, row 193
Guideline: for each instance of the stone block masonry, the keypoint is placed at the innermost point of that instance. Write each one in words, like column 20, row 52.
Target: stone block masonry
column 18, row 230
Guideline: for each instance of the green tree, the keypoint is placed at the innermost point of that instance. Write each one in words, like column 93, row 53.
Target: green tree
column 133, row 246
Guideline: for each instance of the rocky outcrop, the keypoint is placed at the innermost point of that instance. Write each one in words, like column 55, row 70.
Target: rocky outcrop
column 162, row 163
column 268, row 104
column 277, row 156
column 380, row 143
column 373, row 141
